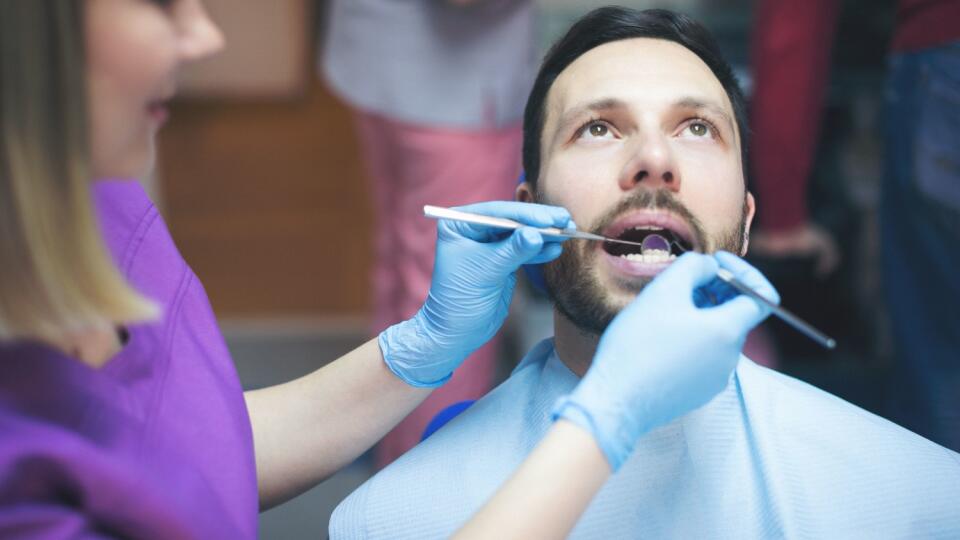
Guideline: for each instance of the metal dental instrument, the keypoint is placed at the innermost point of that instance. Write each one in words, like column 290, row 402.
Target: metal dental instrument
column 723, row 274
column 437, row 212
column 785, row 315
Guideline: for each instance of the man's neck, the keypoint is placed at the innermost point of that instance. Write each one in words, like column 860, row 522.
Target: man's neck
column 574, row 346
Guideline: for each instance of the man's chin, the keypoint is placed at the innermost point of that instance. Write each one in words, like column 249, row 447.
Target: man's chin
column 622, row 290
column 591, row 294
column 619, row 296
column 592, row 307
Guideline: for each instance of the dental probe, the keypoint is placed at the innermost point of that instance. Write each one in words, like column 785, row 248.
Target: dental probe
column 785, row 315
column 723, row 274
column 437, row 212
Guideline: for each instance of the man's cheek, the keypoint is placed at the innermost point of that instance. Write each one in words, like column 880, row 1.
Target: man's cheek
column 576, row 207
column 715, row 213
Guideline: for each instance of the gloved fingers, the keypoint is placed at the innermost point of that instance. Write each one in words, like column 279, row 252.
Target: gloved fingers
column 506, row 256
column 452, row 230
column 714, row 293
column 549, row 252
column 534, row 215
column 748, row 275
column 689, row 271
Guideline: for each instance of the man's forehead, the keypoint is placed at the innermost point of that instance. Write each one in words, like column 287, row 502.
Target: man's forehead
column 639, row 71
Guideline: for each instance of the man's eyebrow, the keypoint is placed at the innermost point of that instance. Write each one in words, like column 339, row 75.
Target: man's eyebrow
column 603, row 104
column 706, row 105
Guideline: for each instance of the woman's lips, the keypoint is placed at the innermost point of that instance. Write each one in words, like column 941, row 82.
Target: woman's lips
column 158, row 112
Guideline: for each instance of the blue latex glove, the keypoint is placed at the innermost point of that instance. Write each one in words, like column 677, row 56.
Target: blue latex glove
column 663, row 356
column 473, row 281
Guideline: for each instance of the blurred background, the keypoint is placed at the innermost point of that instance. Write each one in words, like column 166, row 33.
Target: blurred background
column 262, row 180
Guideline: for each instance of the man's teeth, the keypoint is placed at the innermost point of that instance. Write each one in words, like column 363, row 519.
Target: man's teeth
column 650, row 256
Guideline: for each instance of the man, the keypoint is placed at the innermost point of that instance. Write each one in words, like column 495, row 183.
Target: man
column 635, row 125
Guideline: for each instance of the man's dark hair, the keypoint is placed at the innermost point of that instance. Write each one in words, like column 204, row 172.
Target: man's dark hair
column 608, row 24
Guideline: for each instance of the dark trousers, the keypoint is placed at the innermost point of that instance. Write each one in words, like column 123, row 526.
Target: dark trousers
column 920, row 231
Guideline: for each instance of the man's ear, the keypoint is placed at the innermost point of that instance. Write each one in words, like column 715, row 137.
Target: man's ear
column 524, row 192
column 750, row 208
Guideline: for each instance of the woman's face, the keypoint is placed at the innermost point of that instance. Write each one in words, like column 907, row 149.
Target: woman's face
column 135, row 49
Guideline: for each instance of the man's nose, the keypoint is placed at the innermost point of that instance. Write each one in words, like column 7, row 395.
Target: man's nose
column 199, row 35
column 651, row 165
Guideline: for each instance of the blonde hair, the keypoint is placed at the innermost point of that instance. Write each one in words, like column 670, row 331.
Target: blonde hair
column 56, row 275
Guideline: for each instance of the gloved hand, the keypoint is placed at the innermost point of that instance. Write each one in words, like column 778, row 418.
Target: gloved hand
column 662, row 356
column 473, row 281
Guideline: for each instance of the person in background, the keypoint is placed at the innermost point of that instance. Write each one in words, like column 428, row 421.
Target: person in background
column 920, row 195
column 437, row 91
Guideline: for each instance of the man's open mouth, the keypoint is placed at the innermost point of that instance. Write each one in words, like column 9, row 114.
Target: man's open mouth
column 662, row 237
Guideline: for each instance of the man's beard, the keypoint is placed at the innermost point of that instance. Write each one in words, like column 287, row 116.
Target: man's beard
column 572, row 283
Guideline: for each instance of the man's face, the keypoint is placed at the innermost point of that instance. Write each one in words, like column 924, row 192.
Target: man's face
column 639, row 139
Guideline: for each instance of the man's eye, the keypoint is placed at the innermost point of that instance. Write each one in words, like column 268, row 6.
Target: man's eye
column 701, row 129
column 596, row 130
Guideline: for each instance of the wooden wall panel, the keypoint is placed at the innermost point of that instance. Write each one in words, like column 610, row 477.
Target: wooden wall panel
column 268, row 203
column 269, row 49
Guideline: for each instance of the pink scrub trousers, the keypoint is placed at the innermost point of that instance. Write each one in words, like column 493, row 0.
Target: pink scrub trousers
column 410, row 166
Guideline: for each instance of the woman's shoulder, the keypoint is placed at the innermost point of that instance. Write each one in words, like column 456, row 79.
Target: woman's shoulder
column 139, row 240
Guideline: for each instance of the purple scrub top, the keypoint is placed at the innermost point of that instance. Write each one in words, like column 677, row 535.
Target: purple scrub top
column 155, row 444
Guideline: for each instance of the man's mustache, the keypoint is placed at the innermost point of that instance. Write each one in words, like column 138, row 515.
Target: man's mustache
column 650, row 199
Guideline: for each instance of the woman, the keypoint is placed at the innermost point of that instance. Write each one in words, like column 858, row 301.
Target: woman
column 120, row 412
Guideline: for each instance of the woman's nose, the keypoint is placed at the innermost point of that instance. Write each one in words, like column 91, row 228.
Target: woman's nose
column 200, row 36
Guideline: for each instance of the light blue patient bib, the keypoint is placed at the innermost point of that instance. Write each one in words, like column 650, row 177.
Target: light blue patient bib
column 770, row 457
